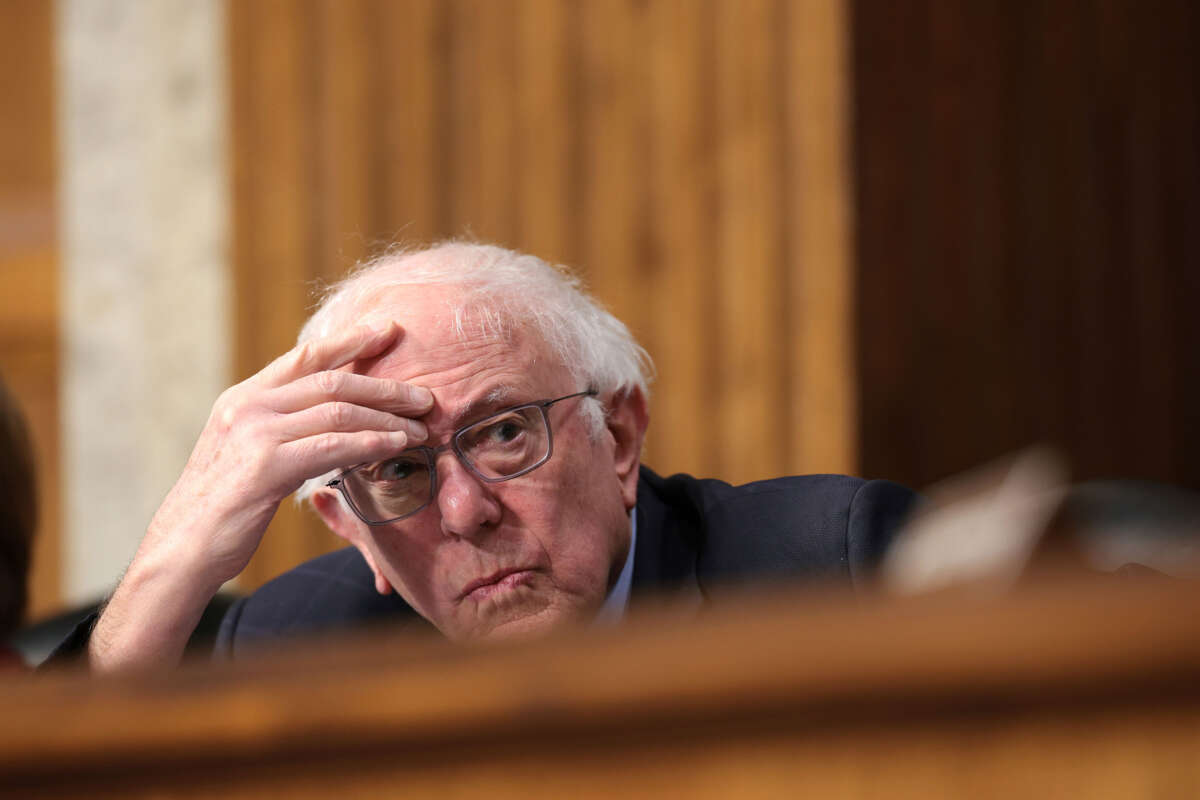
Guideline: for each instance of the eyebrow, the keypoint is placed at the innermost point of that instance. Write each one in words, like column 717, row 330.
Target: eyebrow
column 492, row 400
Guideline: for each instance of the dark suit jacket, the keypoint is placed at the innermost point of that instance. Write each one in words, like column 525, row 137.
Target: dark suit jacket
column 692, row 536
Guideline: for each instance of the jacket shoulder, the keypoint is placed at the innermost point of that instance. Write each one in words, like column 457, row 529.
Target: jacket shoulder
column 333, row 591
column 805, row 526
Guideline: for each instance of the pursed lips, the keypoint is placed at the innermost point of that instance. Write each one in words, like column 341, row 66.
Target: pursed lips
column 504, row 578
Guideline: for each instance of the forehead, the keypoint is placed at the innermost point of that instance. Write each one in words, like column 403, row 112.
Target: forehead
column 460, row 361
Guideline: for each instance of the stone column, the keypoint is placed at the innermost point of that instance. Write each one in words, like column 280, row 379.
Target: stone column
column 145, row 263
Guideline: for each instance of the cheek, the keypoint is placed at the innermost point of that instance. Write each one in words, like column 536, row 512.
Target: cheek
column 408, row 560
column 553, row 506
column 584, row 527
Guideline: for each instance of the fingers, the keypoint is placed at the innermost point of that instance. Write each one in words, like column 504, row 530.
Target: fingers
column 329, row 353
column 328, row 451
column 340, row 417
column 330, row 386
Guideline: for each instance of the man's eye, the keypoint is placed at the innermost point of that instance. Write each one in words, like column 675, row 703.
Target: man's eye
column 396, row 469
column 506, row 431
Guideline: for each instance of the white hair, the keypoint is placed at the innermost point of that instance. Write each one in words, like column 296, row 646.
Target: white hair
column 497, row 292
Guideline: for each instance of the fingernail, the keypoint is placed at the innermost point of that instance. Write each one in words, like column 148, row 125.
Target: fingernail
column 418, row 431
column 422, row 397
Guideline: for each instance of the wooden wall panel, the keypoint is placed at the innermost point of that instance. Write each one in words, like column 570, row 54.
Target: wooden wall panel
column 406, row 48
column 346, row 91
column 751, row 278
column 819, row 236
column 1029, row 266
column 280, row 209
column 613, row 186
column 29, row 263
column 480, row 174
column 546, row 129
column 646, row 144
column 680, row 259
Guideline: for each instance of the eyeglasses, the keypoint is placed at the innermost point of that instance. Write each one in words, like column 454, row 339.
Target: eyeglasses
column 497, row 448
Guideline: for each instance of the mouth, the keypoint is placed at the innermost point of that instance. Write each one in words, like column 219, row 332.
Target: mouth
column 499, row 581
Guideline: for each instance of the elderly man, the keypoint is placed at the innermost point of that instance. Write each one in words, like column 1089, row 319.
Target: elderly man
column 471, row 423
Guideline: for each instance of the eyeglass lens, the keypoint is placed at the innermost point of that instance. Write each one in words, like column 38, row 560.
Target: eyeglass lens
column 499, row 447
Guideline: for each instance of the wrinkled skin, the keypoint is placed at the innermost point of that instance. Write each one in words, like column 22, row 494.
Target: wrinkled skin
column 564, row 527
column 299, row 417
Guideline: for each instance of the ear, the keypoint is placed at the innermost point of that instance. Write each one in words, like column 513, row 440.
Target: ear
column 626, row 421
column 342, row 521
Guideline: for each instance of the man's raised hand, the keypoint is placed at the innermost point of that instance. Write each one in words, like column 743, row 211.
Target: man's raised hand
column 300, row 417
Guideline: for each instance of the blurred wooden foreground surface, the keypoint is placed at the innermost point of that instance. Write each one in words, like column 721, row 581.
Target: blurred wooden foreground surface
column 1083, row 688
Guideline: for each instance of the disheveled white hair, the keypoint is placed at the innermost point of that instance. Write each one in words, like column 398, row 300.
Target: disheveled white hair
column 497, row 291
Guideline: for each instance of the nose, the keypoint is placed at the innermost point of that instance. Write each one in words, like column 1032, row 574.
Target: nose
column 467, row 504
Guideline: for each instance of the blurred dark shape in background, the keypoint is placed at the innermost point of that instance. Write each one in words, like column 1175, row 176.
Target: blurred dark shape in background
column 1001, row 524
column 1120, row 525
column 18, row 516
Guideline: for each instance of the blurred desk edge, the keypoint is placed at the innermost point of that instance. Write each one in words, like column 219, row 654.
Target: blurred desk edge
column 788, row 665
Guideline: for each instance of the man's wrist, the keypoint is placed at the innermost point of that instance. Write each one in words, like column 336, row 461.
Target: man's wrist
column 149, row 618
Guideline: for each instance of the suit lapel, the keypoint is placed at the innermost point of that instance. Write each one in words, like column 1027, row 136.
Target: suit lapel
column 664, row 563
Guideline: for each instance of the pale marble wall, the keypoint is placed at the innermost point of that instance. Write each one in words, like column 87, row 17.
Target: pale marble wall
column 145, row 263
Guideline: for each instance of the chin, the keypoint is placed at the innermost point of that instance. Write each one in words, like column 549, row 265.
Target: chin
column 516, row 626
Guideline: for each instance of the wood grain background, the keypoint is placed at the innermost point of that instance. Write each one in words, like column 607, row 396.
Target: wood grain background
column 688, row 158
